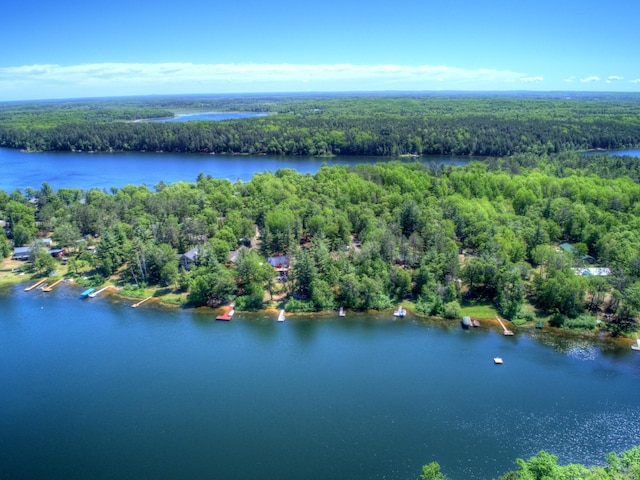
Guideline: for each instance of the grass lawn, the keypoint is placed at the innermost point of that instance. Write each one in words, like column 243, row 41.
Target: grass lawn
column 479, row 309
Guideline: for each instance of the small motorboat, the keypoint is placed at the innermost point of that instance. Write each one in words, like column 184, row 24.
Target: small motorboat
column 400, row 312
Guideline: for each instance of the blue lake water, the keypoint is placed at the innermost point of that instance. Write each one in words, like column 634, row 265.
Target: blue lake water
column 209, row 116
column 632, row 153
column 105, row 170
column 95, row 389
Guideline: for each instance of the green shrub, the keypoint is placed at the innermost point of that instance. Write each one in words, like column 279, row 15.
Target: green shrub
column 452, row 310
column 294, row 305
column 583, row 322
column 557, row 320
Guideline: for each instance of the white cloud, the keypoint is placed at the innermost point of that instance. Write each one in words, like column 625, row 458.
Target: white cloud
column 613, row 78
column 590, row 79
column 637, row 80
column 136, row 78
column 570, row 79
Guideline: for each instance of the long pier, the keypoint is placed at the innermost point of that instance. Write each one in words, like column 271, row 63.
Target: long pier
column 505, row 330
column 39, row 282
column 50, row 287
column 95, row 294
column 136, row 305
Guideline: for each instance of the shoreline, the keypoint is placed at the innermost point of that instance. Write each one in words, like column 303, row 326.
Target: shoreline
column 530, row 328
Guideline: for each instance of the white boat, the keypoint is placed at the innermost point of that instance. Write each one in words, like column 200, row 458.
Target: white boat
column 281, row 316
column 341, row 312
column 400, row 312
column 637, row 345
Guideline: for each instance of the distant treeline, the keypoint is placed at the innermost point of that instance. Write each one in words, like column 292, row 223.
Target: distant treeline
column 321, row 125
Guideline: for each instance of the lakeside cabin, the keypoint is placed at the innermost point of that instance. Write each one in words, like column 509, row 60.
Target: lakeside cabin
column 21, row 253
column 281, row 264
column 187, row 259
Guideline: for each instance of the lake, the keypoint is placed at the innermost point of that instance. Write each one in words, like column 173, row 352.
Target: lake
column 209, row 116
column 105, row 170
column 620, row 153
column 95, row 389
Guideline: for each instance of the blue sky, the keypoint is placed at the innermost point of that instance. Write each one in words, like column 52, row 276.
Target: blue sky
column 85, row 48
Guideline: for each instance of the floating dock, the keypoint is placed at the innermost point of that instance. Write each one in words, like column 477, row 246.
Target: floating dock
column 38, row 283
column 281, row 316
column 506, row 331
column 341, row 312
column 136, row 305
column 498, row 361
column 228, row 314
column 54, row 284
column 87, row 292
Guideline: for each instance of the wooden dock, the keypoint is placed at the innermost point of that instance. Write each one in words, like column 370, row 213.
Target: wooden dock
column 38, row 283
column 228, row 314
column 95, row 294
column 505, row 330
column 54, row 284
column 136, row 305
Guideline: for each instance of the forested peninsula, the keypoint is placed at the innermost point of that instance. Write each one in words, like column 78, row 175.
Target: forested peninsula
column 540, row 233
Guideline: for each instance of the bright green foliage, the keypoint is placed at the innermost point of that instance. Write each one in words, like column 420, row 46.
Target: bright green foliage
column 43, row 262
column 544, row 466
column 432, row 472
column 212, row 285
column 5, row 251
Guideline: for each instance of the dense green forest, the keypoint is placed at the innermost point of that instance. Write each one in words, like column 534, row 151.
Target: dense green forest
column 379, row 125
column 367, row 237
column 544, row 466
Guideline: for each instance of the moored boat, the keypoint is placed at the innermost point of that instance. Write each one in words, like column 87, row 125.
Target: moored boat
column 400, row 312
column 465, row 322
column 281, row 316
column 341, row 312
